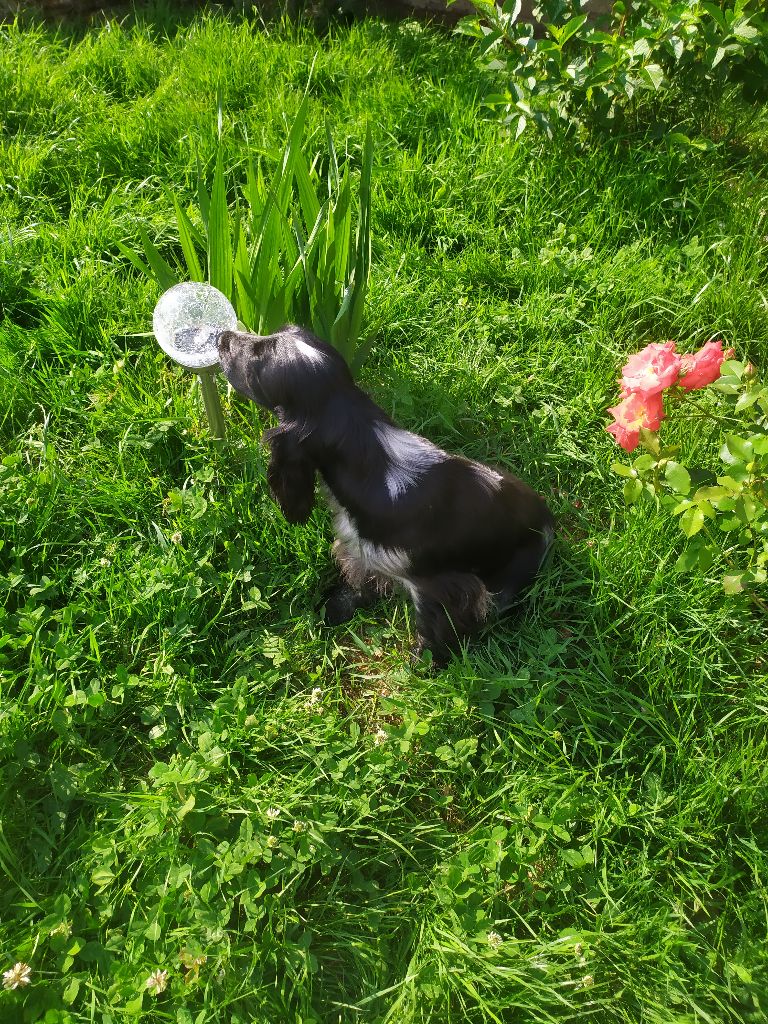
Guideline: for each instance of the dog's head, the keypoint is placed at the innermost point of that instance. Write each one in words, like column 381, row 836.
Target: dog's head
column 290, row 370
column 302, row 379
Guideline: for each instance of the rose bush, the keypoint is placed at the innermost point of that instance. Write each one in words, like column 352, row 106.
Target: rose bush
column 724, row 514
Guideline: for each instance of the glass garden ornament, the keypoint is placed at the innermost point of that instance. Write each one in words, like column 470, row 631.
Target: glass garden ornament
column 187, row 322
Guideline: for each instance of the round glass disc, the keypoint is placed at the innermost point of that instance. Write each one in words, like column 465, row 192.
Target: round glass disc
column 188, row 320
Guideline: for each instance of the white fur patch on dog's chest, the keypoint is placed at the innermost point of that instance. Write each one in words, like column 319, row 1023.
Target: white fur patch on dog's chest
column 372, row 559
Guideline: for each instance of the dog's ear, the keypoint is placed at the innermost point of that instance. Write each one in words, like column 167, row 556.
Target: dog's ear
column 291, row 474
column 243, row 359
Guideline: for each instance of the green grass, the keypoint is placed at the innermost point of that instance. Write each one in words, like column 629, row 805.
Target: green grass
column 590, row 781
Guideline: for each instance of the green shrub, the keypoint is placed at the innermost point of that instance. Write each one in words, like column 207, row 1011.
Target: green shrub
column 580, row 72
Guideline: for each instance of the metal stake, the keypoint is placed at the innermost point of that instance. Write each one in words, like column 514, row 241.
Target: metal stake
column 212, row 404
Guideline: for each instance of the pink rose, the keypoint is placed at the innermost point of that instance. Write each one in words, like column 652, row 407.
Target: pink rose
column 700, row 368
column 637, row 410
column 628, row 439
column 656, row 367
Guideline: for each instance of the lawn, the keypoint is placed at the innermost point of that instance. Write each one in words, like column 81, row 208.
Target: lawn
column 569, row 821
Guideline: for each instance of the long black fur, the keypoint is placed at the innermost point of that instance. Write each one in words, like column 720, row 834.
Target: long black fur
column 461, row 538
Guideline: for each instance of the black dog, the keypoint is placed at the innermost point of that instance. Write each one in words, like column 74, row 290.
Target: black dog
column 461, row 538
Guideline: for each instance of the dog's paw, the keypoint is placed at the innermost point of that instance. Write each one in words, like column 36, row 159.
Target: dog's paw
column 341, row 603
column 424, row 658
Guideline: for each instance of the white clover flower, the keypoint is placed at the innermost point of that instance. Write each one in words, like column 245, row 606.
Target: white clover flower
column 588, row 981
column 299, row 826
column 176, row 538
column 379, row 737
column 18, row 976
column 314, row 698
column 271, row 842
column 157, row 982
column 494, row 940
column 272, row 813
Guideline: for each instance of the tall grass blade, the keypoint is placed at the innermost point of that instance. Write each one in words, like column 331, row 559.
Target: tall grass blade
column 187, row 235
column 266, row 266
column 310, row 204
column 343, row 230
column 362, row 267
column 284, row 185
column 310, row 251
column 135, row 259
column 348, row 323
column 162, row 272
column 219, row 240
column 333, row 160
column 245, row 306
column 203, row 197
column 257, row 198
